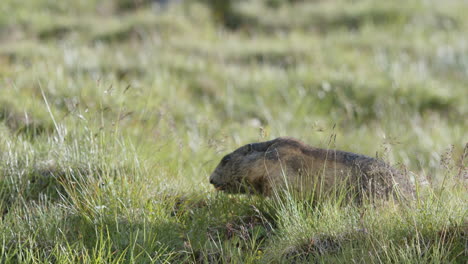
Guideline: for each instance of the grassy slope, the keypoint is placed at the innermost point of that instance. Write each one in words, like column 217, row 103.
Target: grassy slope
column 112, row 118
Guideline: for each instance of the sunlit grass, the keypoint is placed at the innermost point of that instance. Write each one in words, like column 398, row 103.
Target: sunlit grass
column 113, row 114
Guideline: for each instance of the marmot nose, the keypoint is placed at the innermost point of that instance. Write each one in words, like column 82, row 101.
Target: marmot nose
column 212, row 182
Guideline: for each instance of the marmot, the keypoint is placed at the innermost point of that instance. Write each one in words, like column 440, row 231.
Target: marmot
column 287, row 162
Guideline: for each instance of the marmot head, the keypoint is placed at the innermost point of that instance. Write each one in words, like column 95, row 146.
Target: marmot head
column 241, row 171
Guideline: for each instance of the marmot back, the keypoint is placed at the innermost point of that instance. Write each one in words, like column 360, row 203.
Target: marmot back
column 262, row 167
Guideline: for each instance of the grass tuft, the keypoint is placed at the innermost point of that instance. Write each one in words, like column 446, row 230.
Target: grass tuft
column 113, row 114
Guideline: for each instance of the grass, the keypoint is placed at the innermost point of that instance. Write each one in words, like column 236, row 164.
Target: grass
column 114, row 113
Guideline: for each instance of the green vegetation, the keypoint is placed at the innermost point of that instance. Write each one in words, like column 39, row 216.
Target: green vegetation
column 114, row 113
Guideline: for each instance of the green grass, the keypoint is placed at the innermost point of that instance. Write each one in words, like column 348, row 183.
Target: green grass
column 113, row 114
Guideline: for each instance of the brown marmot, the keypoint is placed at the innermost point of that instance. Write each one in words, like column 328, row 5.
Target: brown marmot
column 287, row 162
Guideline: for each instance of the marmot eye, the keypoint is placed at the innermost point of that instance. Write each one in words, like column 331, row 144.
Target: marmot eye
column 225, row 160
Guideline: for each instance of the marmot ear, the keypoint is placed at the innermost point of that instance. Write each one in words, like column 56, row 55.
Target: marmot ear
column 261, row 147
column 249, row 148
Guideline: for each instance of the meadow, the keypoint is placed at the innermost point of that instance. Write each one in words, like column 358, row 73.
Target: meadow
column 113, row 114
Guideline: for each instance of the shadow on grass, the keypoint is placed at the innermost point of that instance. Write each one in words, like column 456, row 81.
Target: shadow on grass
column 171, row 227
column 447, row 244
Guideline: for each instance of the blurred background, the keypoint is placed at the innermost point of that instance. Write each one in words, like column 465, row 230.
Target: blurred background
column 187, row 81
column 113, row 114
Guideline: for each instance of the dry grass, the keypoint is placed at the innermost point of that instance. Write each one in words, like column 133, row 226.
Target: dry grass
column 142, row 102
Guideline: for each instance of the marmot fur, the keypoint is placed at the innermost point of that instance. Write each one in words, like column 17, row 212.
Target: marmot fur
column 287, row 162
